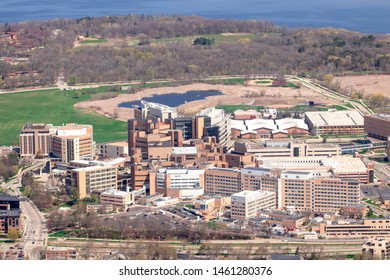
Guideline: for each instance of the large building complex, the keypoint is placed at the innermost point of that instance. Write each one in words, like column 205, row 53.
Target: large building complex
column 246, row 204
column 349, row 122
column 348, row 168
column 151, row 139
column 68, row 142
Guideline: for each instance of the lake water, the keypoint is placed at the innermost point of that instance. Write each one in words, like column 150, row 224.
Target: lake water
column 358, row 15
column 173, row 99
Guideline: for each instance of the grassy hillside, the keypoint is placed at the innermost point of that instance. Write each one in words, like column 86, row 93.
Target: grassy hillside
column 52, row 106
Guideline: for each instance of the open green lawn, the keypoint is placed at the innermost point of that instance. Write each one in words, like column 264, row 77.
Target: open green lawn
column 93, row 41
column 232, row 108
column 55, row 107
column 219, row 38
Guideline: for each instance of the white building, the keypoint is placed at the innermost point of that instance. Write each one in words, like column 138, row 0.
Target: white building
column 219, row 125
column 120, row 200
column 180, row 182
column 246, row 204
column 158, row 110
column 349, row 122
column 113, row 149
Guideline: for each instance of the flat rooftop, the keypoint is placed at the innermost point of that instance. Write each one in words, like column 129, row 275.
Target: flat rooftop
column 381, row 116
column 339, row 164
column 119, row 143
column 336, row 118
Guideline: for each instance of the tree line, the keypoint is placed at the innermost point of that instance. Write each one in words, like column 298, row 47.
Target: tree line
column 269, row 49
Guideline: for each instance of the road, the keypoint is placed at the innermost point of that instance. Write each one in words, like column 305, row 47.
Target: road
column 330, row 248
column 34, row 237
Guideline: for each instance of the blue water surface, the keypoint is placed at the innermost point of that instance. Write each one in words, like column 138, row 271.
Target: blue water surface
column 358, row 15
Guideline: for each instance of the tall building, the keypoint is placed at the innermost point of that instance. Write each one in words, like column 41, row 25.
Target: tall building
column 92, row 178
column 192, row 127
column 113, row 149
column 223, row 181
column 217, row 124
column 246, row 204
column 35, row 139
column 259, row 179
column 303, row 191
column 151, row 139
column 73, row 142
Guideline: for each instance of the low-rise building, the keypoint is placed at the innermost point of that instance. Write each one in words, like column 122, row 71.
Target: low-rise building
column 181, row 183
column 99, row 207
column 286, row 148
column 366, row 228
column 267, row 128
column 59, row 253
column 9, row 213
column 119, row 199
column 165, row 201
column 349, row 122
column 246, row 204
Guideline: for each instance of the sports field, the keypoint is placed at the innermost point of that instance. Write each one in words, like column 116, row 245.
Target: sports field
column 56, row 107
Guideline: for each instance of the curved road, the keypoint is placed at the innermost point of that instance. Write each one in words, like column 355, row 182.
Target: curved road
column 34, row 237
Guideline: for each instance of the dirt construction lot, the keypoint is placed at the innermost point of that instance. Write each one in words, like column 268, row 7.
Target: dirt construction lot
column 232, row 95
column 371, row 84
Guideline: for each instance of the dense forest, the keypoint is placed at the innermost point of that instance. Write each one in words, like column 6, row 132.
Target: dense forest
column 146, row 48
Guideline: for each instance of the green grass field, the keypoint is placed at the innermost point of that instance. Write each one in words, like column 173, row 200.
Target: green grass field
column 55, row 107
column 94, row 41
column 232, row 108
column 219, row 38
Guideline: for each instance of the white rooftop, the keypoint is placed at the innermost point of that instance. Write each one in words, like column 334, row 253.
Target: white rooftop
column 115, row 192
column 250, row 195
column 338, row 164
column 184, row 151
column 336, row 118
column 273, row 125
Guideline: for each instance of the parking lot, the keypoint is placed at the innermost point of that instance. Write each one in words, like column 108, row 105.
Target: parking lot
column 374, row 191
